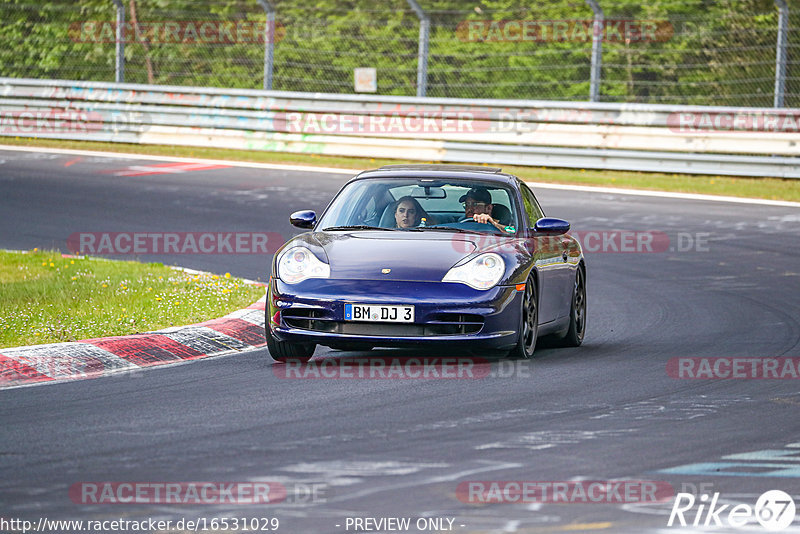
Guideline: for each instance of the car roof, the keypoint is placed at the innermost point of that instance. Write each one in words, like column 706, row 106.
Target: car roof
column 441, row 167
column 475, row 172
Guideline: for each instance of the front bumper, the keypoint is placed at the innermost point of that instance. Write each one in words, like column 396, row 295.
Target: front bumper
column 444, row 313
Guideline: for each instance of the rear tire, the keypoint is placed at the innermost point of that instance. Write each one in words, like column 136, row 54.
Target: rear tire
column 577, row 313
column 283, row 351
column 528, row 324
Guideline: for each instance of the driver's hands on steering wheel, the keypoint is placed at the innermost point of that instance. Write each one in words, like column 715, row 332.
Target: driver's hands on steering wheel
column 484, row 218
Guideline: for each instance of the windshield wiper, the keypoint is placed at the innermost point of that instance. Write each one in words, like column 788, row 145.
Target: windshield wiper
column 448, row 228
column 494, row 231
column 356, row 227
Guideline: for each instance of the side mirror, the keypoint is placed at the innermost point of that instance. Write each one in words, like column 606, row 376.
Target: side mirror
column 551, row 226
column 303, row 219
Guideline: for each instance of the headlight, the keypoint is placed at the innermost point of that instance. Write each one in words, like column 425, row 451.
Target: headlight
column 299, row 263
column 483, row 272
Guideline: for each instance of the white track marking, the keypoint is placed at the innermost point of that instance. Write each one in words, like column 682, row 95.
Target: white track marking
column 334, row 170
column 150, row 157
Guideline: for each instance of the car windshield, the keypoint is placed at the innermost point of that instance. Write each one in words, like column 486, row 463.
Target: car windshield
column 419, row 204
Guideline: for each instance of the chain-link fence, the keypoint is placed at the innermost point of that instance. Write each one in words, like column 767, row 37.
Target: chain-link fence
column 674, row 52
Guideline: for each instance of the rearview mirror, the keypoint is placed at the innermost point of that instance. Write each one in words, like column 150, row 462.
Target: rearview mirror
column 551, row 226
column 303, row 219
column 428, row 191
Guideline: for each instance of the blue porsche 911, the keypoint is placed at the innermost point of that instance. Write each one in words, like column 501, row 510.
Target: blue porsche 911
column 424, row 255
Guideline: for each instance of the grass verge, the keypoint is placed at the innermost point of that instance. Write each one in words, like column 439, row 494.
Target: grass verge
column 48, row 298
column 768, row 188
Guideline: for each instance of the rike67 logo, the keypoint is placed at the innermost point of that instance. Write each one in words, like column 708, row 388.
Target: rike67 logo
column 774, row 510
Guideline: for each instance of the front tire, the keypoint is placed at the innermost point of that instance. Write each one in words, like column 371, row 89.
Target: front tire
column 283, row 351
column 528, row 324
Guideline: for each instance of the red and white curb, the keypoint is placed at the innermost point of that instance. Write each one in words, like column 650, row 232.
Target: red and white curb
column 92, row 358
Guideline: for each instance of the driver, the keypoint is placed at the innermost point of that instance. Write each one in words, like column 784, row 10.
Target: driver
column 478, row 206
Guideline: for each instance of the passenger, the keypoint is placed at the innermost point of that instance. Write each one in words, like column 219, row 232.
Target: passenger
column 408, row 213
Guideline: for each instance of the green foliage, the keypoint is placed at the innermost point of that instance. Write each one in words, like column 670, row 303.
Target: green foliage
column 48, row 298
column 710, row 52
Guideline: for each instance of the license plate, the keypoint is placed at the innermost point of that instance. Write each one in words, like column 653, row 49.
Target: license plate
column 379, row 313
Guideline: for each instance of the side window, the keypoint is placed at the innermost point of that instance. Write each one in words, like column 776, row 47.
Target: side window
column 536, row 206
column 532, row 209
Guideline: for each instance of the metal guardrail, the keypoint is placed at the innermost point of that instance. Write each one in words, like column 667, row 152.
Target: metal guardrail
column 634, row 137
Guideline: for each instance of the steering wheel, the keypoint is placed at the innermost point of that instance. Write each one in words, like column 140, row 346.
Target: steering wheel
column 470, row 219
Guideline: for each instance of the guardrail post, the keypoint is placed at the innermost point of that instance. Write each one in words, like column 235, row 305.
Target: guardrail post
column 597, row 50
column 269, row 42
column 422, row 53
column 119, row 75
column 780, row 52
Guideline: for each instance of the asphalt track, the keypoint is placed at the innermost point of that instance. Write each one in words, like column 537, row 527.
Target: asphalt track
column 400, row 448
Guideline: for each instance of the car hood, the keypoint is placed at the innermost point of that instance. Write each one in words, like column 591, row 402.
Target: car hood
column 364, row 255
